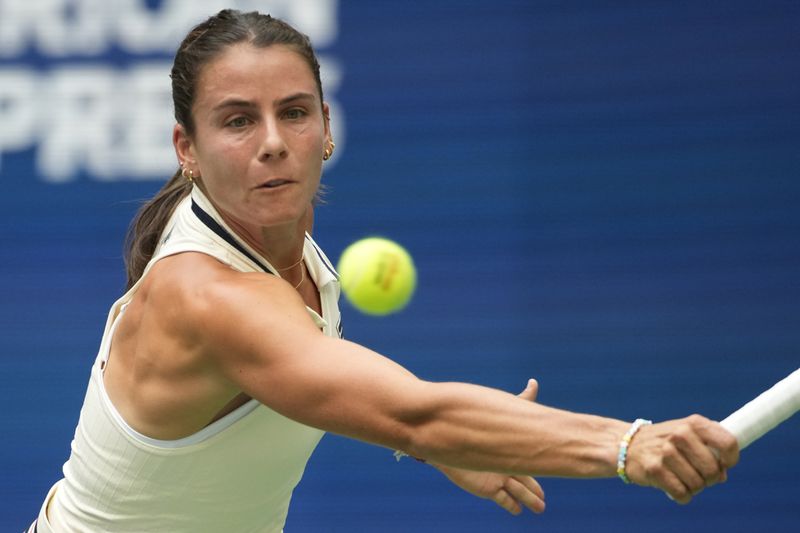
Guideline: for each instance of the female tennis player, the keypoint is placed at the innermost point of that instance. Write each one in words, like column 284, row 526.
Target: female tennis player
column 222, row 366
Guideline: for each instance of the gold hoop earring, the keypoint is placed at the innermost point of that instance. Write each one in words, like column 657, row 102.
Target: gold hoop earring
column 190, row 176
column 328, row 150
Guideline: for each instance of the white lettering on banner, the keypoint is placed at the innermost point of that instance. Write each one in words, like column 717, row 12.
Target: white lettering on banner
column 113, row 124
column 63, row 28
column 79, row 114
column 116, row 123
column 149, row 150
column 17, row 109
column 97, row 118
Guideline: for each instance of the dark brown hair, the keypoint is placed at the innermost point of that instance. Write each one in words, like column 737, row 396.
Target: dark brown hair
column 202, row 45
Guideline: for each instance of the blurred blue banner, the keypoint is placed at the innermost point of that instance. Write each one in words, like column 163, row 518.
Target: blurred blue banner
column 600, row 195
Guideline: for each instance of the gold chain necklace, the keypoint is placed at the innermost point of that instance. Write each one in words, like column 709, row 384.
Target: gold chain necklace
column 302, row 276
column 302, row 256
column 302, row 270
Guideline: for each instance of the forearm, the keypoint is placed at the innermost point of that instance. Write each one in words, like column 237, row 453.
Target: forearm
column 675, row 456
column 475, row 427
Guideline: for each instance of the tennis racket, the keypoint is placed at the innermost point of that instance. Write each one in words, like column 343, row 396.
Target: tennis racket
column 766, row 411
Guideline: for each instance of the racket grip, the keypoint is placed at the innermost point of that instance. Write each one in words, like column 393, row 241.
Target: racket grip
column 766, row 411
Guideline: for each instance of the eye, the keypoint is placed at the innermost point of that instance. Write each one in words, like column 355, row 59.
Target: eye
column 294, row 113
column 238, row 122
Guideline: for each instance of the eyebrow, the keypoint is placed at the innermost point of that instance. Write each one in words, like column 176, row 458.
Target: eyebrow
column 293, row 97
column 239, row 102
column 232, row 102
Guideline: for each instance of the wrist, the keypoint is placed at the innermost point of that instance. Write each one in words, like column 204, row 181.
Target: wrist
column 608, row 447
column 624, row 444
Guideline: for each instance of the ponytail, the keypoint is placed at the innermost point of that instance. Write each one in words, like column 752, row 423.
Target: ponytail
column 148, row 225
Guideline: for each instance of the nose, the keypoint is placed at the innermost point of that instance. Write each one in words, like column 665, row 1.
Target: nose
column 273, row 145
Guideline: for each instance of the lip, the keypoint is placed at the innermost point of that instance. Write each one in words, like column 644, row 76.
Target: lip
column 274, row 183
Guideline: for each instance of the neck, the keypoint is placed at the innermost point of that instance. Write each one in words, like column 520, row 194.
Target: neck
column 282, row 246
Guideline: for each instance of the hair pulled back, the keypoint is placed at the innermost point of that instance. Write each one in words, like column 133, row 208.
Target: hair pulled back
column 202, row 45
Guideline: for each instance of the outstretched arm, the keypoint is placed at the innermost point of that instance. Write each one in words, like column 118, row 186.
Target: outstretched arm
column 256, row 332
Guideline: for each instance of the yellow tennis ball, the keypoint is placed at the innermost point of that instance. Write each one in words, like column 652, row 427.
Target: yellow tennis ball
column 377, row 275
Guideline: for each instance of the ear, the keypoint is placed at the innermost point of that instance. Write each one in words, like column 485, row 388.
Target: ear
column 184, row 146
column 326, row 118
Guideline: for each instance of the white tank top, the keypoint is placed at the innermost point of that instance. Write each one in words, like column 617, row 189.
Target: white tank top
column 236, row 474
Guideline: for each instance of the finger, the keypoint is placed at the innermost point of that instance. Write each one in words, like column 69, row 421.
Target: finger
column 718, row 438
column 675, row 489
column 682, row 469
column 506, row 501
column 531, row 390
column 523, row 494
column 699, row 456
column 656, row 470
column 532, row 484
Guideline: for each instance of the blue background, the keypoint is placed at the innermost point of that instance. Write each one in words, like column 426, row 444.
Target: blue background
column 601, row 195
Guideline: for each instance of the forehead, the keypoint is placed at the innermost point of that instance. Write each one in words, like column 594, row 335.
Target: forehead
column 254, row 73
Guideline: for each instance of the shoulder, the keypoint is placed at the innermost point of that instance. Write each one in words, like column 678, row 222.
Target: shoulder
column 195, row 284
column 207, row 303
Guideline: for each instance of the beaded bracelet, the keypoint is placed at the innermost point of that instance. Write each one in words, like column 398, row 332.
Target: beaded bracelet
column 622, row 457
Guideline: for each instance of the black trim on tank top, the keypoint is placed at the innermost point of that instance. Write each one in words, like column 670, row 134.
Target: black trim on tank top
column 323, row 261
column 215, row 226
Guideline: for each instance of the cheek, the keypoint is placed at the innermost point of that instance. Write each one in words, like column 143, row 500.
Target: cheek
column 220, row 155
column 309, row 134
column 313, row 155
column 300, row 130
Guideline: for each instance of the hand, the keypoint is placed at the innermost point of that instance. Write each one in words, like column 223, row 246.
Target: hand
column 509, row 492
column 681, row 457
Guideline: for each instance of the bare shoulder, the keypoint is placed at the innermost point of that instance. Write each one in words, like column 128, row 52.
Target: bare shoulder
column 173, row 294
column 193, row 332
column 165, row 376
column 218, row 309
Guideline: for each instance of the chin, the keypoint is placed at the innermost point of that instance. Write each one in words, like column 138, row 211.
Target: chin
column 281, row 217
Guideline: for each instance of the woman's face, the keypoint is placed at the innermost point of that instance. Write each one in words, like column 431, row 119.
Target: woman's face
column 260, row 133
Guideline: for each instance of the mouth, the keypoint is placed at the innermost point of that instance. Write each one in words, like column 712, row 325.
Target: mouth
column 274, row 183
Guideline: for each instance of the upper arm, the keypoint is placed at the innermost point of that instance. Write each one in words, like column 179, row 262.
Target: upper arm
column 256, row 331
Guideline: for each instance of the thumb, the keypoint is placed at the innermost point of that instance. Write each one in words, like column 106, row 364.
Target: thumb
column 530, row 391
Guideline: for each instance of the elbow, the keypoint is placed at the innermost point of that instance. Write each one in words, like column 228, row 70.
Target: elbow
column 411, row 435
column 432, row 443
column 415, row 442
column 422, row 432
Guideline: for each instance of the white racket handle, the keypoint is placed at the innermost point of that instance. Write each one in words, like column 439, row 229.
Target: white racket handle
column 766, row 411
